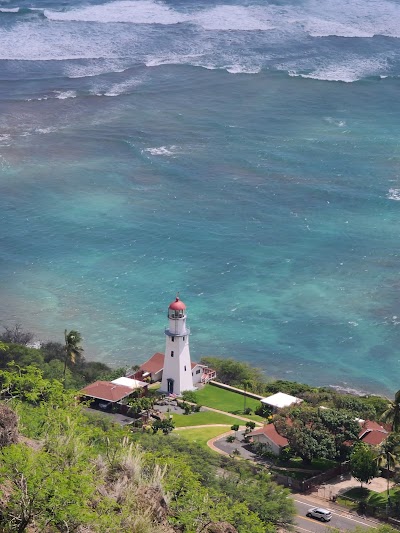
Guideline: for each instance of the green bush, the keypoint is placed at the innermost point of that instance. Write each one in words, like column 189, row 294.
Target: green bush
column 189, row 396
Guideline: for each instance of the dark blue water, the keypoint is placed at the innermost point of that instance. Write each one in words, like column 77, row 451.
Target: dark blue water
column 245, row 154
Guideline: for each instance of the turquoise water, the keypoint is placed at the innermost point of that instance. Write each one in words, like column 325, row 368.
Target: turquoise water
column 245, row 154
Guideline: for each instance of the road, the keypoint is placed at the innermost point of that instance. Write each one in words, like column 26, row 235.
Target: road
column 340, row 519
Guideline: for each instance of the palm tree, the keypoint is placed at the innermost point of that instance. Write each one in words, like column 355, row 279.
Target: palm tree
column 387, row 458
column 392, row 413
column 73, row 350
column 246, row 386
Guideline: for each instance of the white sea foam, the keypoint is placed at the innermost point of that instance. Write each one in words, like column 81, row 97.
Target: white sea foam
column 90, row 70
column 242, row 18
column 137, row 12
column 30, row 41
column 63, row 95
column 197, row 60
column 9, row 10
column 124, row 87
column 350, row 70
column 163, row 150
column 43, row 131
column 348, row 390
column 336, row 122
column 393, row 194
column 225, row 43
column 243, row 69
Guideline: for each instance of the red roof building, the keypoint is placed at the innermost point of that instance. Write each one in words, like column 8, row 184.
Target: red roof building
column 106, row 391
column 152, row 369
column 372, row 433
column 269, row 436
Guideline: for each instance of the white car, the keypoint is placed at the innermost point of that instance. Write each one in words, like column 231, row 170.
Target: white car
column 320, row 513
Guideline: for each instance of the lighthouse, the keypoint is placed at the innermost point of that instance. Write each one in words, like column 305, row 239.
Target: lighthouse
column 177, row 372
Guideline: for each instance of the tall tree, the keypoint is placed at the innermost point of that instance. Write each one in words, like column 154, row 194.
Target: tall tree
column 392, row 413
column 73, row 350
column 387, row 458
column 363, row 463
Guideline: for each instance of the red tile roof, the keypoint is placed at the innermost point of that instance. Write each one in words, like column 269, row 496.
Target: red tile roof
column 370, row 424
column 105, row 390
column 374, row 438
column 372, row 433
column 270, row 431
column 154, row 364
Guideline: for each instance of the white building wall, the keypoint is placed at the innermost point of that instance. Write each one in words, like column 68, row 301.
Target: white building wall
column 197, row 373
column 177, row 363
column 275, row 448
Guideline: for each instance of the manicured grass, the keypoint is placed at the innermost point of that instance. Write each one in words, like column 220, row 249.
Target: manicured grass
column 201, row 435
column 204, row 418
column 371, row 498
column 350, row 504
column 359, row 493
column 226, row 400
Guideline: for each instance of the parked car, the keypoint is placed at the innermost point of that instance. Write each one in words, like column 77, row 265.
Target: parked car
column 105, row 406
column 320, row 514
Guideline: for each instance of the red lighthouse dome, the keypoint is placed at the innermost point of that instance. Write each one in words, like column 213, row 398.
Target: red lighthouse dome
column 177, row 305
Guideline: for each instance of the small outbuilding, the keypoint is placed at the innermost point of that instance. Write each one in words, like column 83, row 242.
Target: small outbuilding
column 280, row 400
column 270, row 437
column 108, row 394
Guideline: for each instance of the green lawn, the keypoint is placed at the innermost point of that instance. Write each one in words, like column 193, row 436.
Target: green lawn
column 225, row 400
column 204, row 418
column 201, row 435
column 350, row 504
column 359, row 493
column 372, row 498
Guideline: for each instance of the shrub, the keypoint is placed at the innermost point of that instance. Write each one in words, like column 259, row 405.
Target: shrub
column 189, row 396
column 230, row 438
column 286, row 454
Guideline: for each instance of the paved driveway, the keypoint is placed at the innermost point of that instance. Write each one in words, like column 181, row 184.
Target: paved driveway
column 341, row 484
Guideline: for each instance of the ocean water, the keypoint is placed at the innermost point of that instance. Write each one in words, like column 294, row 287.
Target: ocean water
column 245, row 153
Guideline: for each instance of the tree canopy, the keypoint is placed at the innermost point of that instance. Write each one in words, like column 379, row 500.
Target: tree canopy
column 314, row 432
column 363, row 463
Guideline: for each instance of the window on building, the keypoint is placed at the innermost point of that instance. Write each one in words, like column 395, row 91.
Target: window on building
column 172, row 339
column 172, row 353
column 183, row 338
column 184, row 368
column 198, row 371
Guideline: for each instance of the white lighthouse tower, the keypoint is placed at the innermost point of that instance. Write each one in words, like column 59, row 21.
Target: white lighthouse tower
column 177, row 373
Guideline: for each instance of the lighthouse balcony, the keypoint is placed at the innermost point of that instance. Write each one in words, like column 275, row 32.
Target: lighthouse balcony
column 170, row 333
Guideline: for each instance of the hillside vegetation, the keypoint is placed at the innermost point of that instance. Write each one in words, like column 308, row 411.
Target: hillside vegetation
column 71, row 471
